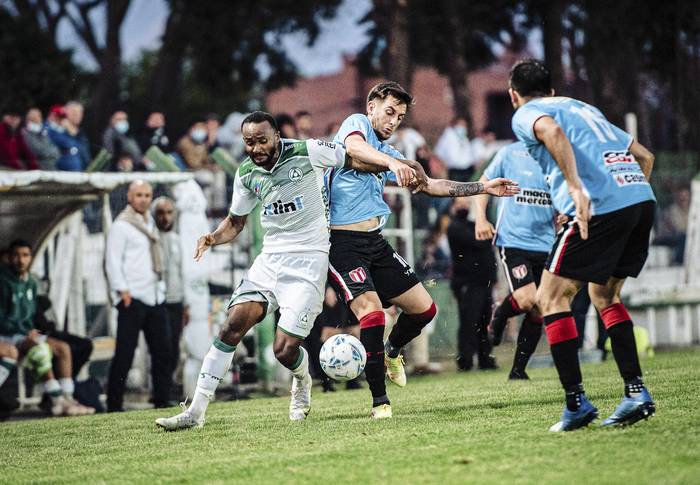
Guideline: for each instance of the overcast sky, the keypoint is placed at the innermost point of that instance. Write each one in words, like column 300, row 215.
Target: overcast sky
column 145, row 23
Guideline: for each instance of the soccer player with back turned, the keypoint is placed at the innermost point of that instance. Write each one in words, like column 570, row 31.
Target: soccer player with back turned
column 524, row 235
column 599, row 177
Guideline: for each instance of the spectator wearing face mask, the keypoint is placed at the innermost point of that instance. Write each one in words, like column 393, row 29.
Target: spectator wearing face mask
column 63, row 124
column 193, row 147
column 14, row 152
column 37, row 137
column 117, row 140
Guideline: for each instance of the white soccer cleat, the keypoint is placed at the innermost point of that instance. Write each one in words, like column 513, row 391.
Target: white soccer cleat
column 300, row 405
column 395, row 370
column 184, row 420
column 381, row 412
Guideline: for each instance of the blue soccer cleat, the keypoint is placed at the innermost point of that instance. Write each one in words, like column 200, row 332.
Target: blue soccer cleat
column 571, row 420
column 631, row 410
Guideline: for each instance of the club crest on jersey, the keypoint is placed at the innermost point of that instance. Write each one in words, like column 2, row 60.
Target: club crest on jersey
column 358, row 275
column 279, row 207
column 519, row 272
column 295, row 174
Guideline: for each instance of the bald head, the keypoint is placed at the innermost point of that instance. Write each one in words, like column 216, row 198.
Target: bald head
column 140, row 196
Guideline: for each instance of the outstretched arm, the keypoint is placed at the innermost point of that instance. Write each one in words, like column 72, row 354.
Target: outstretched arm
column 359, row 150
column 227, row 231
column 554, row 139
column 499, row 187
column 484, row 230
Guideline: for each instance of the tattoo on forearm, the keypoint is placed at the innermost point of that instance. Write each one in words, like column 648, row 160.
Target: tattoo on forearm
column 464, row 189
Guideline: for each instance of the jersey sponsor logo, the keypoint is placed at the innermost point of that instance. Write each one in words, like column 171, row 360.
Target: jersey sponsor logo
column 326, row 144
column 533, row 197
column 358, row 275
column 277, row 208
column 295, row 174
column 611, row 157
column 630, row 179
column 519, row 272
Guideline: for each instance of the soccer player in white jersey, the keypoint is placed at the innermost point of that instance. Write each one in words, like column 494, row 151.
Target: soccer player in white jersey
column 599, row 177
column 287, row 178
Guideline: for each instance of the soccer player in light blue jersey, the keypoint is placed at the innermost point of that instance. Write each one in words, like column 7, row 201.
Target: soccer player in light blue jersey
column 364, row 269
column 599, row 177
column 524, row 235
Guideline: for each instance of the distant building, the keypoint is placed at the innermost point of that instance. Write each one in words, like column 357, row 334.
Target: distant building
column 331, row 98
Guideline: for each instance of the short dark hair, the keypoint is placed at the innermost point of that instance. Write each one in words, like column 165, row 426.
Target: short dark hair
column 260, row 117
column 390, row 88
column 19, row 243
column 530, row 77
column 284, row 119
column 301, row 114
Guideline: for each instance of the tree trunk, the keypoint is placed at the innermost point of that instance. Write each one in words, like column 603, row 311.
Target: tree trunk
column 458, row 70
column 552, row 34
column 106, row 98
column 399, row 67
column 166, row 79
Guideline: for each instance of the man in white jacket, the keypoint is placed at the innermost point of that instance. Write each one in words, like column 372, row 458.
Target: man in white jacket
column 134, row 272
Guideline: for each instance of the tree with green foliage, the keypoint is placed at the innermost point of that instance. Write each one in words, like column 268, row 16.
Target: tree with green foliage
column 35, row 71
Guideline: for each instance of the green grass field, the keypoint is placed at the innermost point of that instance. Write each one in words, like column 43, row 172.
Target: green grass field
column 451, row 428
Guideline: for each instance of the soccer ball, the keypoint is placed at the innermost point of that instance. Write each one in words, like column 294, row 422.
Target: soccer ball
column 343, row 357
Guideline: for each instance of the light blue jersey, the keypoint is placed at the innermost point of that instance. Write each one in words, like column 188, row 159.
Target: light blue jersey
column 358, row 196
column 610, row 174
column 526, row 220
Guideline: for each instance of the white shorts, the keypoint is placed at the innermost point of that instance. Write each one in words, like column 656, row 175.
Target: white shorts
column 293, row 282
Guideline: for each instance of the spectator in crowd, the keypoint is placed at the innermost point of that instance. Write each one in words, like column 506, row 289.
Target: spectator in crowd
column 408, row 140
column 178, row 311
column 117, row 140
column 65, row 132
column 153, row 133
column 675, row 223
column 36, row 135
column 455, row 150
column 213, row 125
column 286, row 126
column 55, row 116
column 485, row 146
column 18, row 291
column 473, row 277
column 134, row 269
column 304, row 124
column 193, row 147
column 14, row 152
column 230, row 138
column 124, row 163
column 435, row 261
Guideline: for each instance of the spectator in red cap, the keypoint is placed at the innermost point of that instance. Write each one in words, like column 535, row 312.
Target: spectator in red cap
column 14, row 153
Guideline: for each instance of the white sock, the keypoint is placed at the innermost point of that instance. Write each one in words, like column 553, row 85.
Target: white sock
column 67, row 385
column 53, row 389
column 6, row 366
column 302, row 367
column 215, row 366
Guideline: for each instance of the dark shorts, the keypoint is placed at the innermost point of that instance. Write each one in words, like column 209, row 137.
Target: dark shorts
column 617, row 245
column 522, row 267
column 364, row 261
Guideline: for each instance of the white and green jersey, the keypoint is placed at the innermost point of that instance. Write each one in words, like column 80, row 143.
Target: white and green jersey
column 293, row 195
